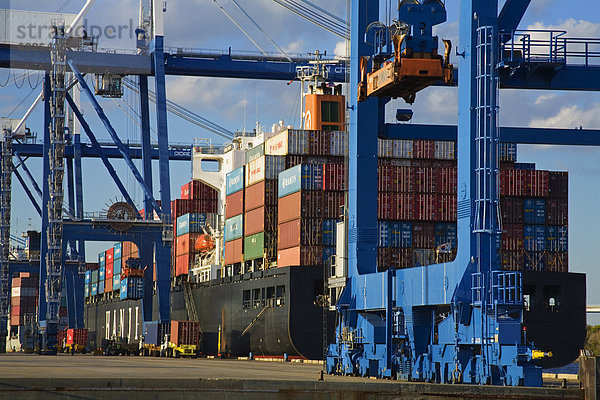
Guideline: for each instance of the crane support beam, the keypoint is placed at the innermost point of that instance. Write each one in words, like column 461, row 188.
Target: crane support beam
column 519, row 135
column 34, row 202
column 176, row 153
column 22, row 164
column 113, row 134
column 96, row 145
column 512, row 13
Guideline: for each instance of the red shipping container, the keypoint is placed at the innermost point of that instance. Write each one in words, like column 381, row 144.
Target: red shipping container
column 334, row 177
column 448, row 182
column 423, row 235
column 558, row 184
column 182, row 264
column 181, row 207
column 511, row 209
column 185, row 333
column 77, row 336
column 557, row 212
column 259, row 220
column 512, row 237
column 333, row 203
column 234, row 204
column 302, row 204
column 196, row 190
column 406, row 207
column 387, row 206
column 108, row 285
column 427, row 206
column 186, row 243
column 385, row 176
column 423, row 149
column 400, row 258
column 300, row 255
column 261, row 194
column 447, row 207
column 537, row 183
column 427, row 180
column 110, row 254
column 304, row 231
column 61, row 337
column 109, row 270
column 128, row 248
column 233, row 252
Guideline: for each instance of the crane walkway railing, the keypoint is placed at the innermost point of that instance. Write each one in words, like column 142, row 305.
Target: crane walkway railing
column 549, row 46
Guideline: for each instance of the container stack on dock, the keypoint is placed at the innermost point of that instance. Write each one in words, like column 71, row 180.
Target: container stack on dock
column 416, row 202
column 417, row 208
column 24, row 297
column 534, row 208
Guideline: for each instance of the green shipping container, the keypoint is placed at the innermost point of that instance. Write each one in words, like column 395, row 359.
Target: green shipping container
column 255, row 246
column 255, row 153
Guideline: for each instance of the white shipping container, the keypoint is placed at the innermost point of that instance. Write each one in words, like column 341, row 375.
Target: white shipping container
column 339, row 143
column 402, row 148
column 265, row 167
column 444, row 150
column 16, row 292
column 385, row 148
column 289, row 142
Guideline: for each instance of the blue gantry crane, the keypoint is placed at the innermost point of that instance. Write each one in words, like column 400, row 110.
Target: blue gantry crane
column 458, row 322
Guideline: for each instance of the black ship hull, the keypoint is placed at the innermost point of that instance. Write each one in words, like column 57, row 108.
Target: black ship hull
column 276, row 312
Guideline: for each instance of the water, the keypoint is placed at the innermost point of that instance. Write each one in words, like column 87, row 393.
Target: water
column 572, row 368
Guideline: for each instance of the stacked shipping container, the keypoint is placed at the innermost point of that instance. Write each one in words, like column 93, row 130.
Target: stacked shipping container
column 233, row 251
column 260, row 205
column 24, row 297
column 307, row 215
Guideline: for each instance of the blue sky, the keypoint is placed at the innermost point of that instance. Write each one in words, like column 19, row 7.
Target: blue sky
column 234, row 103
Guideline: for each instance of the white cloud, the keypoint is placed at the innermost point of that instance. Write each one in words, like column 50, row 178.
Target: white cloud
column 571, row 116
column 340, row 49
column 574, row 27
column 544, row 99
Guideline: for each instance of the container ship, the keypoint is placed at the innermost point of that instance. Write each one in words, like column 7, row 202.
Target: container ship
column 259, row 253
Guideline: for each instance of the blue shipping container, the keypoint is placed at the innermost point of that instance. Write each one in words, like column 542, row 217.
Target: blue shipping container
column 101, row 274
column 329, row 232
column 117, row 282
column 529, row 211
column 445, row 234
column 384, row 235
column 401, row 234
column 563, row 238
column 102, row 259
column 117, row 264
column 328, row 252
column 132, row 288
column 101, row 287
column 525, row 166
column 234, row 228
column 154, row 332
column 300, row 177
column 234, row 181
column 118, row 249
column 540, row 238
column 194, row 222
column 88, row 277
column 86, row 290
column 94, row 289
column 540, row 211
